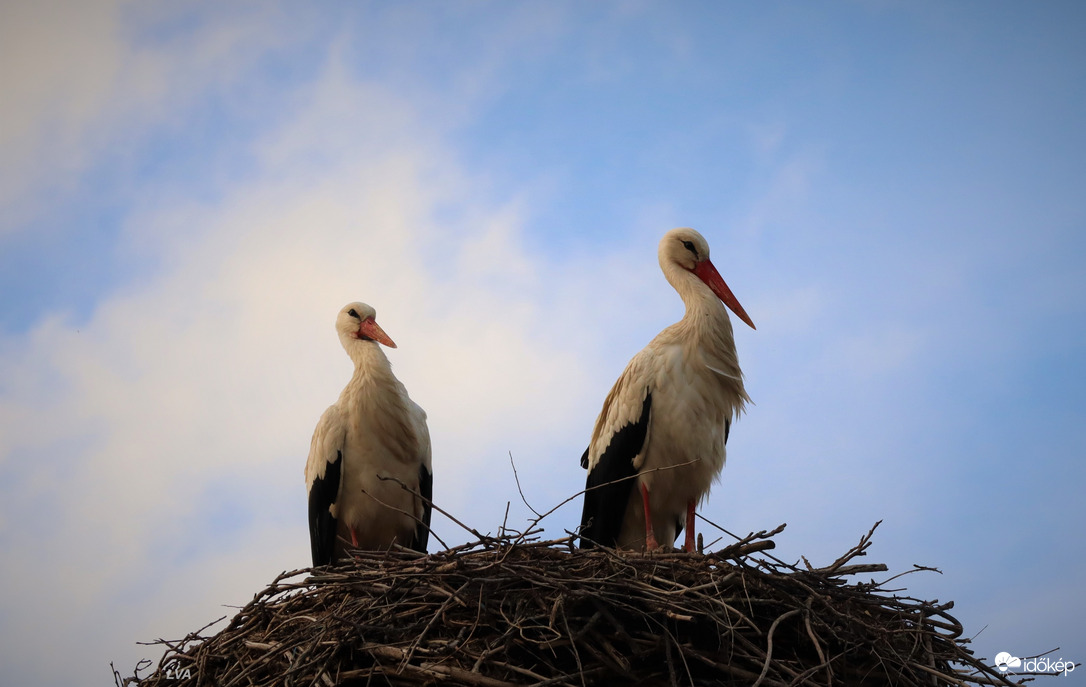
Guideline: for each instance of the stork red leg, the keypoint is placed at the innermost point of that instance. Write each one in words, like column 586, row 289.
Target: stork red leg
column 354, row 538
column 689, row 526
column 650, row 536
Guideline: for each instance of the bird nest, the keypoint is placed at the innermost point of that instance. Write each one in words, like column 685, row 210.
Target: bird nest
column 510, row 610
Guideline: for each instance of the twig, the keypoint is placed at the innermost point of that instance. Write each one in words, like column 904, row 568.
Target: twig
column 769, row 645
column 434, row 506
column 519, row 490
column 418, row 521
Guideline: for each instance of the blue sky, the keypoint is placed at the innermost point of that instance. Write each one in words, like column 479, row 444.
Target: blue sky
column 190, row 193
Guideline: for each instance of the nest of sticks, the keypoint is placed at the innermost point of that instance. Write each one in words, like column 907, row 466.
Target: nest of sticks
column 515, row 610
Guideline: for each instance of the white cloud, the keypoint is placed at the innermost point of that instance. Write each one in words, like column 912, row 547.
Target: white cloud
column 210, row 375
column 82, row 82
column 58, row 65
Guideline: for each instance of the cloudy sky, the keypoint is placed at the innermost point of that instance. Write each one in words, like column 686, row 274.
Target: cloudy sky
column 190, row 193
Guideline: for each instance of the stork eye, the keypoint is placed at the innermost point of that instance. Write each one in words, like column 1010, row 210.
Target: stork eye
column 689, row 245
column 353, row 314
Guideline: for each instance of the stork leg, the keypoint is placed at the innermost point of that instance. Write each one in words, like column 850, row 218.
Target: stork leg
column 650, row 537
column 354, row 537
column 689, row 526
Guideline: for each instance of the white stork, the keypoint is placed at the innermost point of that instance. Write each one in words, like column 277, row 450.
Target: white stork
column 664, row 424
column 374, row 430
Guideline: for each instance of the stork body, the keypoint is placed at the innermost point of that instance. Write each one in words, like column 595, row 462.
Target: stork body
column 659, row 442
column 373, row 431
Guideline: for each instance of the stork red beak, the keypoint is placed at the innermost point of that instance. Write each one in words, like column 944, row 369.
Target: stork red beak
column 706, row 272
column 369, row 329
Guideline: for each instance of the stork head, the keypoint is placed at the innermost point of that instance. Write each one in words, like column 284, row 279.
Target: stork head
column 356, row 322
column 688, row 250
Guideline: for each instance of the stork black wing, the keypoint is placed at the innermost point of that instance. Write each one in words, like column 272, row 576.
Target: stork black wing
column 422, row 530
column 322, row 524
column 605, row 506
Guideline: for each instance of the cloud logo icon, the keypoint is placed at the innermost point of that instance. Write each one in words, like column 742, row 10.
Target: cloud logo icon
column 1003, row 660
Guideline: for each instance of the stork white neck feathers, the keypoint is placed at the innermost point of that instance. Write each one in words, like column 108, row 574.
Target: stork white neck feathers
column 705, row 332
column 373, row 388
column 376, row 393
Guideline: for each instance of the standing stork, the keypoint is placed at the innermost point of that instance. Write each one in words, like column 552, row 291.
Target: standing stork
column 658, row 443
column 373, row 431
